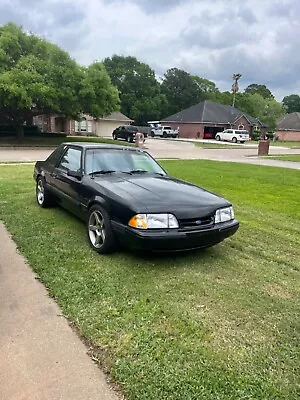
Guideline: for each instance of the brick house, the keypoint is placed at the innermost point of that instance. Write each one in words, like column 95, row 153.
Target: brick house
column 206, row 119
column 288, row 127
column 87, row 124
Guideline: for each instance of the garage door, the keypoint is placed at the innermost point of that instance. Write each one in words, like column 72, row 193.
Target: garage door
column 106, row 128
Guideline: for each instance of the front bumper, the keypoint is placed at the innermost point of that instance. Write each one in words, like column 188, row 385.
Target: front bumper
column 174, row 239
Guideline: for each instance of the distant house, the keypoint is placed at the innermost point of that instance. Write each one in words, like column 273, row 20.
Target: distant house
column 288, row 127
column 206, row 119
column 85, row 126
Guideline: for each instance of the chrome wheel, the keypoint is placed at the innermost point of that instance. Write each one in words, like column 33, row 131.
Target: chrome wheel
column 40, row 192
column 96, row 228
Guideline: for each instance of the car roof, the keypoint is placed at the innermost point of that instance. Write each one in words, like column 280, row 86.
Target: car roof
column 92, row 145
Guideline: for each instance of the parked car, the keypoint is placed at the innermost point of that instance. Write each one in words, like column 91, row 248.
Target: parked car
column 126, row 132
column 164, row 131
column 127, row 198
column 233, row 135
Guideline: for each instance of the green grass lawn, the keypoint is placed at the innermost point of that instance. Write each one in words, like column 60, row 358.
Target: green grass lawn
column 221, row 145
column 39, row 141
column 286, row 157
column 222, row 323
column 217, row 145
column 279, row 143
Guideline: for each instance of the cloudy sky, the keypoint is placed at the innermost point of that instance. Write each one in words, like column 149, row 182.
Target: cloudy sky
column 210, row 38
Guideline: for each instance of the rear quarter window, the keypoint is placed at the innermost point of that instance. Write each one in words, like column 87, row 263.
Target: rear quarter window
column 55, row 156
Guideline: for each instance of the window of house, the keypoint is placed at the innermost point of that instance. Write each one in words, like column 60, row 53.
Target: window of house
column 83, row 126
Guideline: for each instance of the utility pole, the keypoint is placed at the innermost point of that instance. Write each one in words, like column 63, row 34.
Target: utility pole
column 235, row 86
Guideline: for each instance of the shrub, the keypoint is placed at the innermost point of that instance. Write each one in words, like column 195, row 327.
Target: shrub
column 255, row 135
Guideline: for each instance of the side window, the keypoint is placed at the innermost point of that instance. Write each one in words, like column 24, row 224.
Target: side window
column 55, row 156
column 71, row 160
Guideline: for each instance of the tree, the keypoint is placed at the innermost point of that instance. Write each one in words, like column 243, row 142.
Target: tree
column 271, row 112
column 292, row 103
column 181, row 90
column 205, row 86
column 266, row 110
column 37, row 77
column 98, row 96
column 222, row 98
column 262, row 90
column 140, row 93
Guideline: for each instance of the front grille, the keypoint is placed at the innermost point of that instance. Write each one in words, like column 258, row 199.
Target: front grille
column 197, row 223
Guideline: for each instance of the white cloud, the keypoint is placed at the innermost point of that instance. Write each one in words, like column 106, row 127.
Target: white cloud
column 211, row 38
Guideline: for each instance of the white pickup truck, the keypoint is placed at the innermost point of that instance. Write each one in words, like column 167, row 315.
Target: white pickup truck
column 164, row 131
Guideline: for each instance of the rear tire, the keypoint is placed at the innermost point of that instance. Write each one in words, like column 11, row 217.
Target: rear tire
column 242, row 142
column 100, row 235
column 115, row 136
column 165, row 135
column 43, row 197
column 234, row 140
column 152, row 134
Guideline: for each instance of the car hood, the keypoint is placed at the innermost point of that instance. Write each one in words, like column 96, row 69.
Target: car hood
column 153, row 193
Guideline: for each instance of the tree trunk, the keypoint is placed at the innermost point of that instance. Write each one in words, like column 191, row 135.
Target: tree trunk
column 20, row 131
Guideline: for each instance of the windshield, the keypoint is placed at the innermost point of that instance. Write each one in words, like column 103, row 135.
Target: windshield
column 115, row 160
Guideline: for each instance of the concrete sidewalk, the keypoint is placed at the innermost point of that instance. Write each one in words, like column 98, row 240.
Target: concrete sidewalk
column 41, row 358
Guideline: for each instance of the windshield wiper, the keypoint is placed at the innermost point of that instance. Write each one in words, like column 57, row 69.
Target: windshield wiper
column 102, row 172
column 143, row 171
column 138, row 171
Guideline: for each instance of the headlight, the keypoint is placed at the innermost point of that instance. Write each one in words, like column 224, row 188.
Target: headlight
column 224, row 214
column 154, row 221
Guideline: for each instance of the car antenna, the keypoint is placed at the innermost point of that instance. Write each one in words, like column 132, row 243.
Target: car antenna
column 93, row 169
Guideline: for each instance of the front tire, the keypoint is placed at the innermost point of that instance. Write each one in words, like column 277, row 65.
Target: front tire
column 100, row 234
column 43, row 197
column 218, row 138
column 165, row 135
column 115, row 136
column 152, row 134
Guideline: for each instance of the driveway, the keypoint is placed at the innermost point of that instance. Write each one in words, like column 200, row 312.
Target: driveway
column 176, row 149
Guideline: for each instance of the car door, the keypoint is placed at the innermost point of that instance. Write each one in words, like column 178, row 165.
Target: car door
column 123, row 132
column 66, row 187
column 228, row 135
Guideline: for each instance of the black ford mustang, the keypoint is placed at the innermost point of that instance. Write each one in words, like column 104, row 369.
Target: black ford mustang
column 126, row 197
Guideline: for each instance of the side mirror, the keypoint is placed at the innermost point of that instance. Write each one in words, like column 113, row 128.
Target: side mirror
column 75, row 174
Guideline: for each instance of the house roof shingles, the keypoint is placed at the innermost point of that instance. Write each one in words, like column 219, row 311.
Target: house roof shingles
column 289, row 122
column 210, row 112
column 117, row 116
